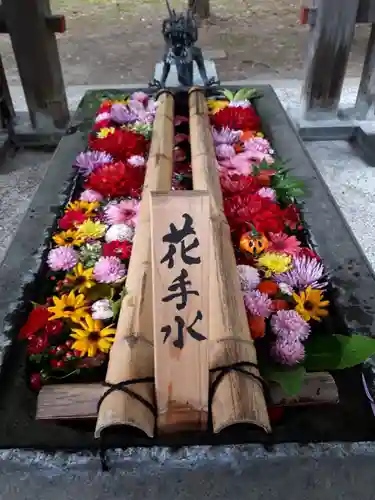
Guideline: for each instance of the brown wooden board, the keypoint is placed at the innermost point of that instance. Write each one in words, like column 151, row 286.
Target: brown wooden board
column 180, row 224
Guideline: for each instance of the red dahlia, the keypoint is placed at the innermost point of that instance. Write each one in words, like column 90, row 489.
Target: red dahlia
column 71, row 219
column 38, row 318
column 120, row 249
column 235, row 184
column 236, row 118
column 117, row 179
column 121, row 144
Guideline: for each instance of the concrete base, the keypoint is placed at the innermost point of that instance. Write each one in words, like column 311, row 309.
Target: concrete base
column 172, row 80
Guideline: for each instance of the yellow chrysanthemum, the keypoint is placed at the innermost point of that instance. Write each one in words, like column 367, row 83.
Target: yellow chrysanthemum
column 81, row 279
column 70, row 306
column 69, row 238
column 274, row 263
column 310, row 304
column 215, row 105
column 91, row 230
column 92, row 337
column 87, row 207
column 105, row 132
column 121, row 101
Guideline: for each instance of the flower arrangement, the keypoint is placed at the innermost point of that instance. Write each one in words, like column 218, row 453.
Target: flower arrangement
column 72, row 331
column 285, row 284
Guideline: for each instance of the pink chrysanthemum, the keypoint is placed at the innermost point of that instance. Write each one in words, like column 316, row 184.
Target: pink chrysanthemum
column 125, row 211
column 266, row 192
column 288, row 352
column 282, row 243
column 249, row 277
column 90, row 195
column 109, row 270
column 258, row 144
column 140, row 96
column 102, row 117
column 62, row 259
column 137, row 161
column 224, row 151
column 289, row 325
column 257, row 303
column 89, row 161
column 306, row 271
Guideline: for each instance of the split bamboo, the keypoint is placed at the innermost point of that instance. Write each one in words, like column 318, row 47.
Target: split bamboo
column 132, row 354
column 239, row 398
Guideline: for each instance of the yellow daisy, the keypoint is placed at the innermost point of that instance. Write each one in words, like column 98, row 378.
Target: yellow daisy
column 69, row 238
column 87, row 207
column 310, row 304
column 105, row 132
column 81, row 279
column 215, row 105
column 69, row 306
column 91, row 230
column 92, row 337
column 274, row 263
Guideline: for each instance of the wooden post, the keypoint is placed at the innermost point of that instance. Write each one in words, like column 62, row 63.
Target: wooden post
column 38, row 62
column 366, row 92
column 180, row 224
column 328, row 55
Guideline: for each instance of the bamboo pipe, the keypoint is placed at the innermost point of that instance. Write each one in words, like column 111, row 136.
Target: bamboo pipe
column 132, row 353
column 239, row 398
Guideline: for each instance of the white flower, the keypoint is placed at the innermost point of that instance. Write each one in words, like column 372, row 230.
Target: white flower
column 102, row 116
column 249, row 277
column 119, row 232
column 101, row 309
column 137, row 161
column 284, row 288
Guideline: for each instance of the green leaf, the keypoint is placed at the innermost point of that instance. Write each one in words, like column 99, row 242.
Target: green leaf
column 337, row 352
column 289, row 379
column 228, row 94
column 116, row 307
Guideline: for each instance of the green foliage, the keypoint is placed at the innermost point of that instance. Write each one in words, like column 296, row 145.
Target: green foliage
column 289, row 379
column 241, row 95
column 337, row 352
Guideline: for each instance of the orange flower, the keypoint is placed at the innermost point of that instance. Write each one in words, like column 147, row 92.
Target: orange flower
column 247, row 135
column 257, row 325
column 268, row 287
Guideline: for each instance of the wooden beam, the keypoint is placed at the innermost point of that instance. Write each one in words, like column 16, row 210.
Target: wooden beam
column 366, row 91
column 56, row 23
column 38, row 62
column 327, row 58
column 79, row 401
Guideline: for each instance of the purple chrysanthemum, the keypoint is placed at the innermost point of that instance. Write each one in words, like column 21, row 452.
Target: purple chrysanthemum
column 137, row 161
column 267, row 192
column 257, row 303
column 109, row 270
column 288, row 352
column 306, row 271
column 240, row 104
column 249, row 277
column 121, row 114
column 62, row 259
column 90, row 195
column 87, row 162
column 140, row 96
column 225, row 136
column 225, row 151
column 289, row 325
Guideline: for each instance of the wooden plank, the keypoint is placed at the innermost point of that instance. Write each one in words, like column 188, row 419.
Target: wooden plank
column 79, row 401
column 366, row 91
column 327, row 58
column 38, row 62
column 180, row 224
column 56, row 23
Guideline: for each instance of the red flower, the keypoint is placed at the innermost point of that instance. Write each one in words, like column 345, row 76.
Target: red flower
column 120, row 249
column 37, row 320
column 57, row 364
column 121, row 144
column 35, row 381
column 101, row 124
column 239, row 184
column 71, row 219
column 309, row 253
column 38, row 344
column 236, row 118
column 54, row 327
column 292, row 217
column 117, row 179
column 105, row 107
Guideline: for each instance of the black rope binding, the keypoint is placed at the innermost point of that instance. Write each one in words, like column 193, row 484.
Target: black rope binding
column 123, row 387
